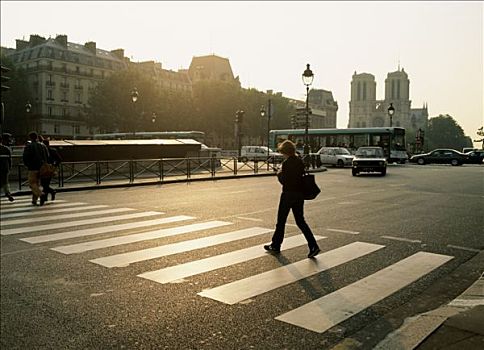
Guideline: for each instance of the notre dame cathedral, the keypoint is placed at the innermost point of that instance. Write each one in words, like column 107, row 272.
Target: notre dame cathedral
column 367, row 111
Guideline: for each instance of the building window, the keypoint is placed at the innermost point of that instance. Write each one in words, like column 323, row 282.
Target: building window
column 364, row 90
column 56, row 128
column 78, row 98
column 393, row 89
column 76, row 129
column 49, row 111
column 78, row 70
column 398, row 89
column 49, row 95
column 64, row 67
column 358, row 95
column 64, row 96
column 64, row 112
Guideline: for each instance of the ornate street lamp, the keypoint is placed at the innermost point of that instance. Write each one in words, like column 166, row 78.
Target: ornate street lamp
column 269, row 115
column 28, row 107
column 307, row 78
column 134, row 98
column 391, row 112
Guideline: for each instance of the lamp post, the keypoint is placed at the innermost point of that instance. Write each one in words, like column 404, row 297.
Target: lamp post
column 239, row 116
column 134, row 98
column 391, row 112
column 307, row 78
column 269, row 116
column 28, row 108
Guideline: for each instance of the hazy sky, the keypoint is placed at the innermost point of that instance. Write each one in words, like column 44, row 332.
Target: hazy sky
column 439, row 44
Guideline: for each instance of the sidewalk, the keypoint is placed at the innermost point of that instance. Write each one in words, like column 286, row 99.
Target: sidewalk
column 464, row 328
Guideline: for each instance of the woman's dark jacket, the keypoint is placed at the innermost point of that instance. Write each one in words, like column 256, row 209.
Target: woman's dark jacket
column 291, row 174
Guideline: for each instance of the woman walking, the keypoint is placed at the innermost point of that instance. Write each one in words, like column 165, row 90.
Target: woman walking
column 291, row 198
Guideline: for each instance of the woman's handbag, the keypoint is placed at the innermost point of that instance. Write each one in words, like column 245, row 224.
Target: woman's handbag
column 310, row 188
column 47, row 170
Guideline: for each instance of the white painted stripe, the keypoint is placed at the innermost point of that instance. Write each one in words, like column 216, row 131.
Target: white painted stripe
column 175, row 273
column 17, row 200
column 250, row 219
column 249, row 287
column 401, row 239
column 105, row 229
column 144, row 236
column 326, row 312
column 125, row 259
column 54, row 210
column 29, row 204
column 105, row 219
column 48, row 217
column 47, row 206
column 343, row 231
column 464, row 248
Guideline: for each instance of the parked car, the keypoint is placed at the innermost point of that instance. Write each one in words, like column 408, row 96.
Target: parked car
column 259, row 153
column 440, row 156
column 475, row 157
column 369, row 159
column 336, row 156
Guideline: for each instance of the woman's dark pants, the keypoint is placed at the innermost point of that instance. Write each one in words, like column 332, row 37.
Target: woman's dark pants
column 294, row 201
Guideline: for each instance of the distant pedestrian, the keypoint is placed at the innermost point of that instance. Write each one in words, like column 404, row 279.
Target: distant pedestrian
column 5, row 165
column 35, row 154
column 292, row 197
column 54, row 160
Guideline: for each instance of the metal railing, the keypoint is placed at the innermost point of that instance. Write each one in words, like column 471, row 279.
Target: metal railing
column 119, row 172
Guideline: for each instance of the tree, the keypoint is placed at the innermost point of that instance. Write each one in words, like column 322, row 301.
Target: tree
column 17, row 120
column 445, row 132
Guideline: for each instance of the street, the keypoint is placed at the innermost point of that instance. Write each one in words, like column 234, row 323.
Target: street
column 181, row 266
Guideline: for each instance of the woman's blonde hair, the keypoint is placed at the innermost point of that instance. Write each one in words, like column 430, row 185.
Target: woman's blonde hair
column 287, row 147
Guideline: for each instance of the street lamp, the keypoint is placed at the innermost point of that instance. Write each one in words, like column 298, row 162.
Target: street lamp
column 239, row 117
column 28, row 108
column 391, row 112
column 307, row 78
column 134, row 98
column 269, row 115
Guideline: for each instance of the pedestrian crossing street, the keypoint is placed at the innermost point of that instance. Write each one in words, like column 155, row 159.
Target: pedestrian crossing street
column 73, row 220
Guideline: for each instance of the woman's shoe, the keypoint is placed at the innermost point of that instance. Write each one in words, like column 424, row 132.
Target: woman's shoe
column 313, row 252
column 272, row 249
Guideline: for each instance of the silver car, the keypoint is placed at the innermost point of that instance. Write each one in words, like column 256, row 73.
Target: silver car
column 336, row 156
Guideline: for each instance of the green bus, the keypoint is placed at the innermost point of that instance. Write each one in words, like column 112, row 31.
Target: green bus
column 392, row 140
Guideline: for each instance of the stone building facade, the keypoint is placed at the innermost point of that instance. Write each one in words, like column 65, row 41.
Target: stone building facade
column 367, row 111
column 60, row 75
column 323, row 110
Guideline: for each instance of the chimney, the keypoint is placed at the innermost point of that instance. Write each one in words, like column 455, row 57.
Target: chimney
column 119, row 53
column 91, row 46
column 36, row 40
column 21, row 44
column 61, row 40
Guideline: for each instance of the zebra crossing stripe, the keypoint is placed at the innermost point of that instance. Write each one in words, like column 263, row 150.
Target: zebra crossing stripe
column 49, row 217
column 54, row 210
column 178, row 272
column 246, row 288
column 17, row 200
column 35, row 209
column 104, row 219
column 104, row 229
column 29, row 204
column 144, row 236
column 328, row 311
column 170, row 249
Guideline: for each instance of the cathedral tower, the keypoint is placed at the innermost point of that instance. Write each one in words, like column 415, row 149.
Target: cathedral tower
column 363, row 100
column 397, row 88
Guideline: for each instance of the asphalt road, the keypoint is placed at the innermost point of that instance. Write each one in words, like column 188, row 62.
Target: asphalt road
column 53, row 299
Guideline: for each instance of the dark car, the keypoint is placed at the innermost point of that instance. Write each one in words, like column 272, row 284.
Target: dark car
column 369, row 159
column 475, row 157
column 440, row 156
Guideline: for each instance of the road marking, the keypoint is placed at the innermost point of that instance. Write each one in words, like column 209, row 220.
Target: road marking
column 62, row 217
column 177, row 272
column 348, row 203
column 175, row 248
column 402, row 239
column 237, row 192
column 144, row 236
column 104, row 229
column 343, row 231
column 50, row 211
column 293, row 225
column 30, row 205
column 328, row 311
column 21, row 200
column 37, row 209
column 249, row 287
column 250, row 219
column 464, row 248
column 105, row 219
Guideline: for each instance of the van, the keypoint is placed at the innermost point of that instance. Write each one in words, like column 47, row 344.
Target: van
column 258, row 153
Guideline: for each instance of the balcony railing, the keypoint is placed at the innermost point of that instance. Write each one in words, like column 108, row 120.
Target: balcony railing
column 50, row 83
